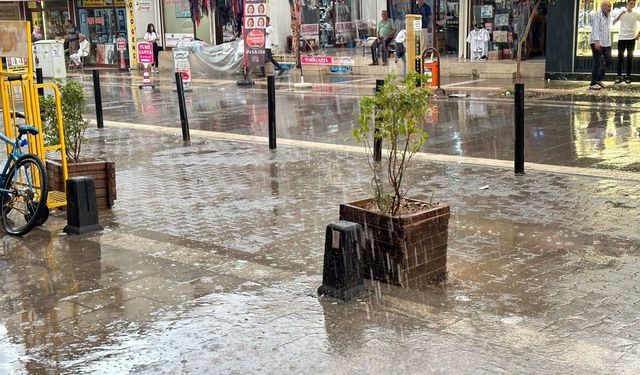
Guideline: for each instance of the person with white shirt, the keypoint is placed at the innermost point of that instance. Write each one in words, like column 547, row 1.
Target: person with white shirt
column 627, row 38
column 268, row 57
column 83, row 51
column 151, row 36
column 600, row 41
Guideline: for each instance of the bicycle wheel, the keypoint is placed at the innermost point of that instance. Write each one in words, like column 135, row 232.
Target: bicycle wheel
column 26, row 199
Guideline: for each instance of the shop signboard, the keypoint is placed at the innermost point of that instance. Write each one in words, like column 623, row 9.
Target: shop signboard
column 254, row 32
column 172, row 39
column 143, row 5
column 181, row 64
column 145, row 52
column 326, row 60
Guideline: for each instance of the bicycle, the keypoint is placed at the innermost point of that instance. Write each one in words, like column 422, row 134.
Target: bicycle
column 23, row 184
column 23, row 195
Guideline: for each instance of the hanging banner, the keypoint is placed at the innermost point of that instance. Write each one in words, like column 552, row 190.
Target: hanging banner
column 255, row 24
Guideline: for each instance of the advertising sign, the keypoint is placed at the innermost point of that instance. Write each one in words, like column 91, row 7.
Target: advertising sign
column 122, row 44
column 254, row 32
column 181, row 64
column 13, row 39
column 132, row 34
column 172, row 39
column 326, row 60
column 145, row 52
column 16, row 65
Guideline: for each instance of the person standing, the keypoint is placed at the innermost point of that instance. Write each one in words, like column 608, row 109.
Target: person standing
column 400, row 50
column 72, row 36
column 386, row 31
column 627, row 38
column 152, row 37
column 423, row 9
column 600, row 41
column 268, row 56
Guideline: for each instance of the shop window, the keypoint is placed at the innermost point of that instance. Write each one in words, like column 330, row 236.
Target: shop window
column 586, row 9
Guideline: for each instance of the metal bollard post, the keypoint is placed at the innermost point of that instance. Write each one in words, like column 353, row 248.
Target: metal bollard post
column 39, row 79
column 271, row 99
column 98, row 98
column 377, row 142
column 184, row 121
column 519, row 128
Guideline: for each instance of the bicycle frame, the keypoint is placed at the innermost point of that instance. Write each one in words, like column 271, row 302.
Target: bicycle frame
column 13, row 156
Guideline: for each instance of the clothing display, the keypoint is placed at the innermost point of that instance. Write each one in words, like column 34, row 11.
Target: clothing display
column 479, row 43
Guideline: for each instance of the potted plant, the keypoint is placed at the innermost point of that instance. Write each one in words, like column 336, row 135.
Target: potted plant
column 73, row 101
column 405, row 240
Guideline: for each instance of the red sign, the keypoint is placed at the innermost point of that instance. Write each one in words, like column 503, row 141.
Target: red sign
column 255, row 38
column 145, row 52
column 321, row 60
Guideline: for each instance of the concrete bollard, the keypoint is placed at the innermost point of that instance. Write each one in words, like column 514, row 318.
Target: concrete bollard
column 342, row 276
column 82, row 206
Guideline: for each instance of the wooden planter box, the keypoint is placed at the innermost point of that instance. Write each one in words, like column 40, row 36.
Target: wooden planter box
column 409, row 251
column 103, row 174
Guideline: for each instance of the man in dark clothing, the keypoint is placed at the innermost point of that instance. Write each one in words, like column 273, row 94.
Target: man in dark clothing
column 423, row 9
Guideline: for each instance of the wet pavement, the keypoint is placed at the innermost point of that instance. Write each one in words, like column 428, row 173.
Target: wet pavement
column 598, row 135
column 211, row 257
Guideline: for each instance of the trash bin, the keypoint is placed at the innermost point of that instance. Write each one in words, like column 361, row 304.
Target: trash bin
column 431, row 70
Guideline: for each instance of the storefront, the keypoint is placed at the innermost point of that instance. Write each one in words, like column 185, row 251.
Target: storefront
column 102, row 21
column 330, row 23
column 177, row 23
column 569, row 52
column 50, row 16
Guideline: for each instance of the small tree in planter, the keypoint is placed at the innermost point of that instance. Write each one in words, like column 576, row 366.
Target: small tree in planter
column 73, row 102
column 405, row 239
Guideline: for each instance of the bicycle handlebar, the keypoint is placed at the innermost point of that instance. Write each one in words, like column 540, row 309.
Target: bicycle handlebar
column 15, row 78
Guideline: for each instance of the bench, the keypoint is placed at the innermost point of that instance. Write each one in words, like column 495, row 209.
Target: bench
column 366, row 45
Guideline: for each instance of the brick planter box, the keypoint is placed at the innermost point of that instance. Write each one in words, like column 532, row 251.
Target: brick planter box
column 103, row 174
column 408, row 251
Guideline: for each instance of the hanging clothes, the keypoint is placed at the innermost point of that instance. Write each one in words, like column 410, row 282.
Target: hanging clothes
column 479, row 43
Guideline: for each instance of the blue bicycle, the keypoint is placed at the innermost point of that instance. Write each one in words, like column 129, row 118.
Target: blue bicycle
column 23, row 192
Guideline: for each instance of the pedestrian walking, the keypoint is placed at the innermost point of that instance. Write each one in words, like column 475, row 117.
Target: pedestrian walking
column 627, row 38
column 600, row 41
column 386, row 31
column 268, row 56
column 152, row 37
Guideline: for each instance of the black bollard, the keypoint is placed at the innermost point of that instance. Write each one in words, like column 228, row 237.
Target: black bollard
column 519, row 128
column 82, row 206
column 342, row 274
column 271, row 98
column 98, row 97
column 39, row 79
column 184, row 121
column 377, row 142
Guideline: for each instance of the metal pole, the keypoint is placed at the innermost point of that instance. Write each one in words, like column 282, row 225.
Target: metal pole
column 271, row 98
column 184, row 121
column 98, row 97
column 377, row 142
column 519, row 128
column 39, row 79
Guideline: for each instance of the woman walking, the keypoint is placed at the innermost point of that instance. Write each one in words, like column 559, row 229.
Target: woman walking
column 152, row 37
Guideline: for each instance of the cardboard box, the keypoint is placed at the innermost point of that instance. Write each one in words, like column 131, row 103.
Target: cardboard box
column 494, row 55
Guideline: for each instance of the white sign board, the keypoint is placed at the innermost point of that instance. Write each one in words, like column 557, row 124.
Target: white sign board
column 181, row 64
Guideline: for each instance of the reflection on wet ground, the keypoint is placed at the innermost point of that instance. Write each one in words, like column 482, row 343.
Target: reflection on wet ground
column 212, row 254
column 570, row 134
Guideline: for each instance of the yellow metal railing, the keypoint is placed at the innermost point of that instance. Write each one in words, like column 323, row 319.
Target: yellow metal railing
column 21, row 95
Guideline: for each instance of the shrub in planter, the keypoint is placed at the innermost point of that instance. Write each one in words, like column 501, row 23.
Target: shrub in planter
column 405, row 239
column 73, row 102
